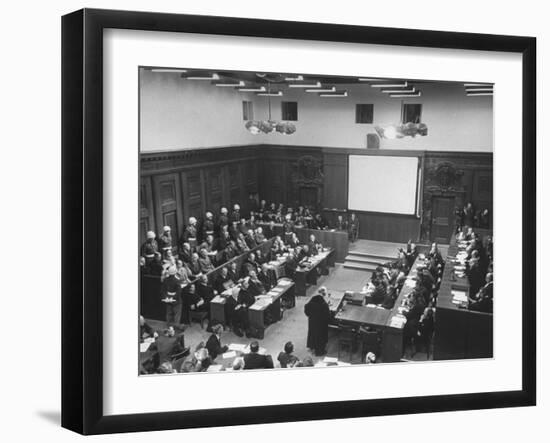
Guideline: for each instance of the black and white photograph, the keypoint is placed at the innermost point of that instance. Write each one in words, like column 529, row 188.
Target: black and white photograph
column 290, row 221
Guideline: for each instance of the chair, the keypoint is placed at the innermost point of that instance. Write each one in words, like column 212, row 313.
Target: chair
column 199, row 316
column 370, row 342
column 347, row 341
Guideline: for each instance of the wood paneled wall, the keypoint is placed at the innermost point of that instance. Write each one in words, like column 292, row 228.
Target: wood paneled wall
column 177, row 185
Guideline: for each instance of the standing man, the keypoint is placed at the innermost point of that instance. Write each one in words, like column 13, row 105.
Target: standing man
column 223, row 219
column 190, row 233
column 171, row 295
column 149, row 248
column 318, row 314
column 341, row 224
column 353, row 227
column 166, row 241
column 208, row 225
column 236, row 214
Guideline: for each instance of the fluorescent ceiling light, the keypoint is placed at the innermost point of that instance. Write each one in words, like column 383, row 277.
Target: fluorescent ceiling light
column 212, row 77
column 364, row 79
column 251, row 89
column 397, row 91
column 270, row 94
column 390, row 85
column 304, row 85
column 472, row 94
column 416, row 94
column 333, row 89
column 479, row 89
column 486, row 85
column 168, row 70
column 229, row 85
column 292, row 79
column 335, row 94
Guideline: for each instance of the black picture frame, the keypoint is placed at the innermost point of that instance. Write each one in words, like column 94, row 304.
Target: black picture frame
column 82, row 189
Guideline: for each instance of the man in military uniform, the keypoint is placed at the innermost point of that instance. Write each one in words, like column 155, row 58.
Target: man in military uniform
column 171, row 295
column 223, row 219
column 208, row 225
column 190, row 233
column 288, row 228
column 236, row 214
column 166, row 241
column 149, row 248
column 353, row 227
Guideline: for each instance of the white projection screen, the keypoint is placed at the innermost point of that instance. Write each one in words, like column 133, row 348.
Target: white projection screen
column 383, row 184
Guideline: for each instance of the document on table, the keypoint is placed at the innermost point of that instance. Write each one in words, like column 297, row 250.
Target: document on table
column 144, row 346
column 236, row 347
column 217, row 299
column 230, row 354
column 330, row 359
column 214, row 368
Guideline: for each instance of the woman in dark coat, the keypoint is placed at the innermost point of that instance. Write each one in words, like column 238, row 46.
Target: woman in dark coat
column 318, row 314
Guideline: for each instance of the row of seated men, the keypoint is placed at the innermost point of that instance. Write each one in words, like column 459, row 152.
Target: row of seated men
column 170, row 355
column 185, row 289
column 469, row 216
column 215, row 235
column 479, row 269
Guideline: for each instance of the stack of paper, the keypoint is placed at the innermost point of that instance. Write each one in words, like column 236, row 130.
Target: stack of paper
column 236, row 347
column 218, row 299
column 144, row 346
column 398, row 321
column 214, row 368
column 343, row 363
column 459, row 296
column 330, row 360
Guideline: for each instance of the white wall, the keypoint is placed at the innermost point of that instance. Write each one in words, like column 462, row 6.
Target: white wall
column 181, row 114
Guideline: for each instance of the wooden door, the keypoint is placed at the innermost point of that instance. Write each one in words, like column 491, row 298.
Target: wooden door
column 193, row 192
column 214, row 189
column 146, row 211
column 168, row 210
column 442, row 219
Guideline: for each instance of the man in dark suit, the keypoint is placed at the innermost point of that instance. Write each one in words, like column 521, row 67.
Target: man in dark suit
column 171, row 296
column 255, row 286
column 213, row 344
column 253, row 360
column 267, row 278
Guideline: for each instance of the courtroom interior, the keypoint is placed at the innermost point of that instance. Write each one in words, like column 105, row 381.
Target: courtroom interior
column 291, row 220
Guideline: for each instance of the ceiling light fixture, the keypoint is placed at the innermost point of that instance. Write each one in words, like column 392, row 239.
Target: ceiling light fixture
column 270, row 94
column 335, row 94
column 398, row 91
column 251, row 89
column 168, row 70
column 298, row 78
column 390, row 85
column 473, row 85
column 333, row 89
column 416, row 94
column 229, row 84
column 402, row 130
column 198, row 77
column 305, row 85
column 473, row 94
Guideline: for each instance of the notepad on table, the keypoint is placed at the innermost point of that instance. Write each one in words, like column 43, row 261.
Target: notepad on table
column 144, row 346
column 236, row 347
column 330, row 359
column 229, row 354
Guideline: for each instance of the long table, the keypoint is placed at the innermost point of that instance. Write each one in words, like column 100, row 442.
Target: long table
column 459, row 332
column 309, row 269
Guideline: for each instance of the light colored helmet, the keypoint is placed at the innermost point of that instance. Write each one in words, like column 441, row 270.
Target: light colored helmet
column 192, row 220
column 223, row 210
column 167, row 228
column 172, row 270
column 236, row 207
column 371, row 357
column 209, row 214
column 151, row 235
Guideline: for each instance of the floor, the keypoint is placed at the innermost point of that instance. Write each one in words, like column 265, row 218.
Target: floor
column 293, row 326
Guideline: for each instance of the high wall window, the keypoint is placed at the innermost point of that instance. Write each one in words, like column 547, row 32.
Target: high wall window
column 411, row 113
column 364, row 113
column 248, row 110
column 289, row 111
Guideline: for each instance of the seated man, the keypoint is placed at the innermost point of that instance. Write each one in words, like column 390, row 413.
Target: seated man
column 250, row 239
column 259, row 235
column 223, row 281
column 195, row 264
column 253, row 360
column 256, row 287
column 293, row 241
column 319, row 222
column 270, row 231
column 251, row 264
column 214, row 344
column 241, row 244
column 185, row 252
column 267, row 277
column 278, row 246
column 233, row 273
column 183, row 273
column 314, row 245
column 286, row 358
column 483, row 300
column 204, row 262
column 145, row 330
column 341, row 224
column 233, row 230
column 260, row 258
column 170, row 345
column 229, row 252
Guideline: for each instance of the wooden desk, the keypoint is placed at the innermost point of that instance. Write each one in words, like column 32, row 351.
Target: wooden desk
column 308, row 274
column 459, row 332
column 217, row 310
column 355, row 315
column 256, row 312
